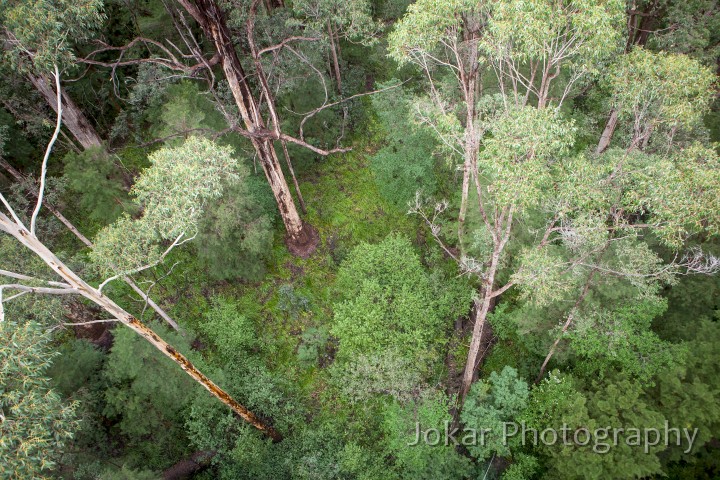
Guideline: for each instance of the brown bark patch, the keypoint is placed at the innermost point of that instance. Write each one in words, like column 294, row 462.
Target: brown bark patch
column 305, row 243
column 99, row 334
column 188, row 467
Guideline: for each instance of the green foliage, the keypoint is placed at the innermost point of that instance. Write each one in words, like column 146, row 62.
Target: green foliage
column 173, row 194
column 97, row 183
column 621, row 339
column 688, row 392
column 233, row 333
column 351, row 19
column 313, row 345
column 236, row 235
column 185, row 111
column 680, row 192
column 405, row 164
column 126, row 473
column 148, row 396
column 694, row 33
column 432, row 460
column 40, row 309
column 425, row 24
column 583, row 31
column 518, row 156
column 386, row 317
column 291, row 302
column 35, row 423
column 392, row 303
column 523, row 467
column 180, row 182
column 76, row 367
column 384, row 374
column 48, row 29
column 616, row 403
column 660, row 90
column 491, row 403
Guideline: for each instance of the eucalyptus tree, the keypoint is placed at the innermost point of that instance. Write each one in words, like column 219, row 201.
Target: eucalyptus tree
column 173, row 193
column 35, row 423
column 249, row 86
column 38, row 41
column 38, row 36
column 527, row 45
column 656, row 93
column 258, row 113
column 575, row 219
column 212, row 20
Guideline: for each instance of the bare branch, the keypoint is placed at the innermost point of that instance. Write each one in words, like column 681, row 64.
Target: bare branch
column 285, row 42
column 176, row 243
column 12, row 212
column 698, row 262
column 314, row 112
column 18, row 176
column 315, row 149
column 43, row 170
column 45, row 290
column 27, row 278
column 171, row 61
column 79, row 324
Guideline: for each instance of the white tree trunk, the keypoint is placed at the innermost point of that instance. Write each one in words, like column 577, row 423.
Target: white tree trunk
column 30, row 241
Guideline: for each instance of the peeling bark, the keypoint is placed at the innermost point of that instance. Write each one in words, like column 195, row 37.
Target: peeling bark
column 73, row 118
column 212, row 21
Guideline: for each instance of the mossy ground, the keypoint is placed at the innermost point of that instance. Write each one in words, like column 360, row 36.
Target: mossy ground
column 346, row 208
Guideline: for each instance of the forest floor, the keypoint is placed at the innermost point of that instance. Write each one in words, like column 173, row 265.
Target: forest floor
column 346, row 207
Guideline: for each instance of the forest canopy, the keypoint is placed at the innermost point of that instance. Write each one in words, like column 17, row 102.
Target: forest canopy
column 360, row 239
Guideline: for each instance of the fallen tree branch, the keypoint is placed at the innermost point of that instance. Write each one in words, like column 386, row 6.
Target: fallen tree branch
column 20, row 178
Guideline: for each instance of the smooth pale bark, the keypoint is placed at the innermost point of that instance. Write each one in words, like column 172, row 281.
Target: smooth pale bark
column 469, row 76
column 294, row 178
column 482, row 310
column 212, row 21
column 18, row 176
column 73, row 118
column 30, row 241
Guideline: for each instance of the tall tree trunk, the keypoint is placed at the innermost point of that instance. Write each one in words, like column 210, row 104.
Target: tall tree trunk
column 469, row 79
column 464, row 197
column 73, row 118
column 301, row 238
column 482, row 308
column 608, row 132
column 71, row 278
column 335, row 57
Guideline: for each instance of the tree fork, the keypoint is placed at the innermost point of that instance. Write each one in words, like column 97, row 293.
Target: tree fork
column 302, row 239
